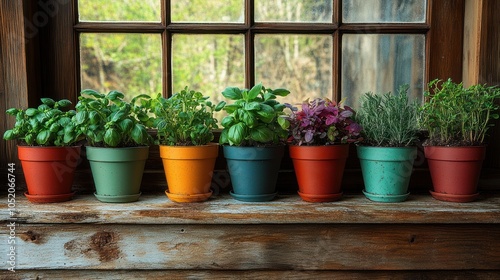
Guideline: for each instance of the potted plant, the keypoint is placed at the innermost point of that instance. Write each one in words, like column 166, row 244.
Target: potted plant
column 185, row 125
column 389, row 148
column 48, row 149
column 457, row 120
column 253, row 138
column 320, row 134
column 117, row 142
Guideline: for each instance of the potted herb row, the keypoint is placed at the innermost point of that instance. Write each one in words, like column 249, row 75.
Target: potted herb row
column 457, row 120
column 320, row 134
column 47, row 148
column 185, row 125
column 117, row 142
column 253, row 139
column 388, row 149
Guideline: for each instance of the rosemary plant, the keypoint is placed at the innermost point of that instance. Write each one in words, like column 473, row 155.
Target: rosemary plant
column 388, row 120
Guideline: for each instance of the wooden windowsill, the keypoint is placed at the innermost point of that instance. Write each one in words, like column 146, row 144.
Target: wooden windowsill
column 285, row 209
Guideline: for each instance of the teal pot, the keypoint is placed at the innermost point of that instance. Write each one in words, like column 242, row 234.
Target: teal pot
column 253, row 171
column 117, row 172
column 386, row 172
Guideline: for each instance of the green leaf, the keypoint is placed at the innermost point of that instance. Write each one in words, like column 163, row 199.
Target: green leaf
column 231, row 108
column 112, row 137
column 233, row 93
column 48, row 101
column 284, row 123
column 248, row 118
column 139, row 134
column 81, row 117
column 220, row 106
column 12, row 111
column 69, row 137
column 94, row 117
column 254, row 92
column 114, row 95
column 236, row 133
column 115, row 117
column 227, row 121
column 281, row 92
column 29, row 139
column 9, row 135
column 63, row 103
column 43, row 137
column 266, row 114
column 252, row 106
column 31, row 112
column 92, row 92
column 126, row 125
column 261, row 134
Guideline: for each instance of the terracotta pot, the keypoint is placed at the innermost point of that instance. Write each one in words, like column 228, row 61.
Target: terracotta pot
column 319, row 171
column 117, row 172
column 253, row 171
column 49, row 172
column 455, row 171
column 188, row 171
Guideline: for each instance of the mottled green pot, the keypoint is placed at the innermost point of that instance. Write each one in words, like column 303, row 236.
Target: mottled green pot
column 117, row 172
column 253, row 171
column 386, row 172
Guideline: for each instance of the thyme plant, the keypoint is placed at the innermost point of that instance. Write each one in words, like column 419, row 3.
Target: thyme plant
column 458, row 116
column 388, row 120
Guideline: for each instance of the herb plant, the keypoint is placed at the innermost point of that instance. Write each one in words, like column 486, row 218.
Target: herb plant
column 184, row 119
column 46, row 125
column 255, row 118
column 109, row 121
column 388, row 120
column 458, row 116
column 322, row 122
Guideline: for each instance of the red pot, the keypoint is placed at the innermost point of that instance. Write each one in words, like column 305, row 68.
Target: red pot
column 49, row 172
column 455, row 171
column 319, row 171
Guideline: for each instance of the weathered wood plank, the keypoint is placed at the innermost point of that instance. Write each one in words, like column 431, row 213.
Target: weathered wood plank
column 256, row 275
column 286, row 209
column 246, row 247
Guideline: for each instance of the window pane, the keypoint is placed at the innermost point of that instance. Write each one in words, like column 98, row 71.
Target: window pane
column 293, row 11
column 208, row 63
column 381, row 63
column 383, row 11
column 299, row 63
column 130, row 63
column 119, row 10
column 202, row 11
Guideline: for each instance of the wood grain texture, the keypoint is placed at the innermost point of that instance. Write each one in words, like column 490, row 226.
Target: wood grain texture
column 255, row 275
column 286, row 209
column 257, row 247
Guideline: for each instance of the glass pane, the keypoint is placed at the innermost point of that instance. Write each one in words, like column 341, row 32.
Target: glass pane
column 384, row 11
column 119, row 10
column 299, row 63
column 202, row 11
column 130, row 63
column 208, row 63
column 293, row 11
column 381, row 63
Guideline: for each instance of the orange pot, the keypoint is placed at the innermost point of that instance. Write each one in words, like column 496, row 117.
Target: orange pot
column 49, row 172
column 319, row 171
column 188, row 171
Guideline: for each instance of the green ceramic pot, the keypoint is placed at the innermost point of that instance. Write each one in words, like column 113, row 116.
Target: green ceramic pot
column 253, row 171
column 117, row 172
column 386, row 172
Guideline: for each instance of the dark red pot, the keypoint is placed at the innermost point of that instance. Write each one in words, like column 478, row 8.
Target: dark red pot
column 455, row 171
column 49, row 172
column 319, row 171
